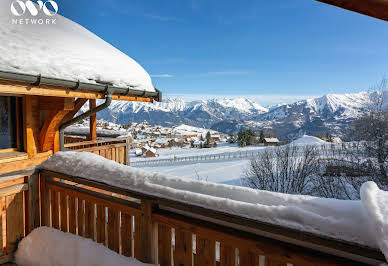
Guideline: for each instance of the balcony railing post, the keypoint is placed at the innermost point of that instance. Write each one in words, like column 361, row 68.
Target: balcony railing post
column 33, row 194
column 45, row 201
column 127, row 162
column 149, row 232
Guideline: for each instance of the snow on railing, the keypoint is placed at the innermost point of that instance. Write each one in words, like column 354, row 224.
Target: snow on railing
column 162, row 219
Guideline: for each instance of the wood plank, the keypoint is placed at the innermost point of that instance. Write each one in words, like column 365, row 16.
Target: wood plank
column 4, row 223
column 113, row 229
column 72, row 215
column 206, row 252
column 54, row 209
column 45, row 202
column 13, row 189
column 20, row 88
column 77, row 106
column 23, row 164
column 274, row 262
column 13, row 157
column 138, row 238
column 108, row 154
column 34, row 212
column 89, row 219
column 11, row 182
column 31, row 125
column 126, row 234
column 15, row 220
column 164, row 245
column 63, row 211
column 100, row 224
column 183, row 255
column 113, row 151
column 93, row 120
column 248, row 257
column 227, row 255
column 80, row 217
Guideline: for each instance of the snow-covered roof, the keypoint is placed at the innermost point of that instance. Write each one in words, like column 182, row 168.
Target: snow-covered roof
column 271, row 140
column 64, row 50
column 363, row 222
column 305, row 140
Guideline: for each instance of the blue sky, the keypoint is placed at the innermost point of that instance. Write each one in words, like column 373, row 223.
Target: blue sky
column 272, row 51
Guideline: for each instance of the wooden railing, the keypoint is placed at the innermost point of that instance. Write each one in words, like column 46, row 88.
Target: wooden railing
column 114, row 149
column 160, row 230
column 15, row 212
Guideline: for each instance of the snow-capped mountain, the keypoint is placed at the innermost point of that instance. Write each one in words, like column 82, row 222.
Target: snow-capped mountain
column 174, row 111
column 330, row 113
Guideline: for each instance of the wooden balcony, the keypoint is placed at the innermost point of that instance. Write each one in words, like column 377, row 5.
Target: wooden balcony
column 159, row 230
column 113, row 149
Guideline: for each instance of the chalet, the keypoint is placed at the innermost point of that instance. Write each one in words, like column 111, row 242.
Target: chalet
column 40, row 100
column 212, row 224
column 271, row 141
column 151, row 152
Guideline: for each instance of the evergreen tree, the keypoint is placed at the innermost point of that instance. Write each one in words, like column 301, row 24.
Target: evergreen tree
column 261, row 138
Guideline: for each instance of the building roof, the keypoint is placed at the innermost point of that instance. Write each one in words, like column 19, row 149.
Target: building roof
column 271, row 140
column 64, row 50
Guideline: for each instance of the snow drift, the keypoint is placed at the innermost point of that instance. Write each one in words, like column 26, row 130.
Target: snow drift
column 64, row 50
column 47, row 246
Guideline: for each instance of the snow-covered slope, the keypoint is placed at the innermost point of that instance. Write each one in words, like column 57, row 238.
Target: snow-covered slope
column 64, row 50
column 329, row 113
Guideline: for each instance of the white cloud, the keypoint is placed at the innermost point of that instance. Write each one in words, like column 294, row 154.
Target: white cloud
column 162, row 76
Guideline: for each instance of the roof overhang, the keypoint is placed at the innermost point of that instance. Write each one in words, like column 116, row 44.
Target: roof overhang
column 25, row 84
column 373, row 8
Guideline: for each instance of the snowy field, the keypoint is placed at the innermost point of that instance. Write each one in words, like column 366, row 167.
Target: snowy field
column 218, row 171
column 222, row 171
column 222, row 148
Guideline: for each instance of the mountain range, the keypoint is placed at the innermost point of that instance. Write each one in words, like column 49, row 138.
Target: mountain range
column 330, row 113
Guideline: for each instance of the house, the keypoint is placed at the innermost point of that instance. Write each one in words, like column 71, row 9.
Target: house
column 271, row 141
column 42, row 91
column 150, row 153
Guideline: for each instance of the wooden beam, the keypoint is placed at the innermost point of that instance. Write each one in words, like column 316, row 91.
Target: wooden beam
column 24, row 164
column 20, row 88
column 31, row 122
column 373, row 8
column 93, row 120
column 47, row 136
column 50, row 103
column 77, row 106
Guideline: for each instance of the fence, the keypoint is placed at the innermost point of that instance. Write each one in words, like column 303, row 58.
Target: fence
column 225, row 156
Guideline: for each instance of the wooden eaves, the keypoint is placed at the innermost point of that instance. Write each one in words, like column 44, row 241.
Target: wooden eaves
column 373, row 8
column 23, row 85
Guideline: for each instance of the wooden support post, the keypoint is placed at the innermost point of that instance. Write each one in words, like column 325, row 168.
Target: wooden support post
column 45, row 202
column 31, row 125
column 127, row 157
column 149, row 233
column 93, row 120
column 33, row 192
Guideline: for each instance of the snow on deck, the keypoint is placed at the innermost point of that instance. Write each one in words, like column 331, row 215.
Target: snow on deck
column 64, row 50
column 360, row 222
column 48, row 246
